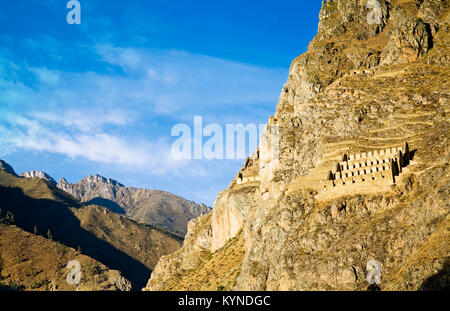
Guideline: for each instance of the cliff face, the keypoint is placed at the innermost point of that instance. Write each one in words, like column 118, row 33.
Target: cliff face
column 152, row 207
column 39, row 174
column 368, row 84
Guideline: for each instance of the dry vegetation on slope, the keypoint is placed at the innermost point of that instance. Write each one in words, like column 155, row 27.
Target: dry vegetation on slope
column 218, row 270
column 142, row 242
column 32, row 262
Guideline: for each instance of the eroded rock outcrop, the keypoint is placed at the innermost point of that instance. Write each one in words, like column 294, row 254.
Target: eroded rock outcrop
column 39, row 174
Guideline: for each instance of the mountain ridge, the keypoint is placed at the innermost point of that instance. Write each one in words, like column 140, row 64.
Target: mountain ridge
column 155, row 207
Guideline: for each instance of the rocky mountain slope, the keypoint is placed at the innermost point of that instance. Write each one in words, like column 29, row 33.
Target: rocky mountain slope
column 373, row 78
column 32, row 262
column 114, row 240
column 7, row 168
column 154, row 207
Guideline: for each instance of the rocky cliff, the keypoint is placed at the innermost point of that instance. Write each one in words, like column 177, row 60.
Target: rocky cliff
column 39, row 174
column 373, row 84
column 152, row 207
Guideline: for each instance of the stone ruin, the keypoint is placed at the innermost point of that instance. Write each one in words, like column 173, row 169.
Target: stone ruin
column 242, row 179
column 379, row 167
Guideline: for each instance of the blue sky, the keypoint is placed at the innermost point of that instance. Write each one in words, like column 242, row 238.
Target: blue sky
column 103, row 96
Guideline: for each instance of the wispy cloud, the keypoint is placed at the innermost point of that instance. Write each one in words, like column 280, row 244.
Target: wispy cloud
column 85, row 121
column 46, row 76
column 30, row 134
column 128, row 59
column 191, row 84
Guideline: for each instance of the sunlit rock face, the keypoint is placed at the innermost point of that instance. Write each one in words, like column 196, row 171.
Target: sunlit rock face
column 360, row 88
column 39, row 174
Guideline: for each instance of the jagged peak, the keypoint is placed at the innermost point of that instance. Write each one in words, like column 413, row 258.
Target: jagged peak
column 63, row 180
column 38, row 174
column 100, row 179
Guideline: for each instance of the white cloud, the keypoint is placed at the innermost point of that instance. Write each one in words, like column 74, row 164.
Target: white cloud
column 154, row 83
column 192, row 83
column 33, row 135
column 128, row 59
column 85, row 121
column 167, row 77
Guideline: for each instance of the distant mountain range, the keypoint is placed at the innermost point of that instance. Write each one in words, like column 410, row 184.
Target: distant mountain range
column 43, row 227
column 158, row 208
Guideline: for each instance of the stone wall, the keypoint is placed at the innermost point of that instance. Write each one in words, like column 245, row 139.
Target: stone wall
column 379, row 167
column 244, row 180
